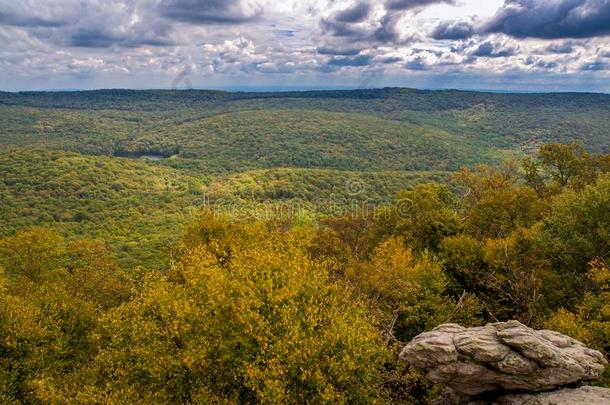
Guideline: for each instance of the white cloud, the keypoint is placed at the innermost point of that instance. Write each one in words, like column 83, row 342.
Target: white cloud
column 71, row 43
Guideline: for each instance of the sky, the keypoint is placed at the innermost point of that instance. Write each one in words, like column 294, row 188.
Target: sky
column 511, row 45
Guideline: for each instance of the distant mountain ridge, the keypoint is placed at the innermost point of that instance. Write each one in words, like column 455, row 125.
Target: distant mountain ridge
column 462, row 97
column 455, row 127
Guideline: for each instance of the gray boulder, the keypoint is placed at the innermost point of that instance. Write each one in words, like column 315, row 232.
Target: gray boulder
column 504, row 356
column 566, row 396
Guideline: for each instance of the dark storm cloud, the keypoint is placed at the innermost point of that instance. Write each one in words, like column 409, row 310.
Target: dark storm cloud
column 596, row 66
column 345, row 23
column 209, row 11
column 103, row 29
column 539, row 63
column 552, row 19
column 339, row 29
column 97, row 38
column 562, row 47
column 387, row 31
column 355, row 14
column 390, row 59
column 488, row 49
column 411, row 4
column 327, row 50
column 75, row 23
column 419, row 64
column 33, row 14
column 362, row 60
column 453, row 30
column 29, row 21
column 93, row 39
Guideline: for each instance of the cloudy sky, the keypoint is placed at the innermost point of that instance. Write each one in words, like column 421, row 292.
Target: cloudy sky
column 557, row 45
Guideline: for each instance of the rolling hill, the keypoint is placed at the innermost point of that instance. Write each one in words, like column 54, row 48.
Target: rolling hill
column 72, row 160
column 139, row 207
column 384, row 129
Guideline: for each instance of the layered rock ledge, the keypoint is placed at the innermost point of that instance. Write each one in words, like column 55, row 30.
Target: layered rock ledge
column 566, row 396
column 502, row 357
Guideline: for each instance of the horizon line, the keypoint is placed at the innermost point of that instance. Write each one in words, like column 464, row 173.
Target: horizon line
column 302, row 89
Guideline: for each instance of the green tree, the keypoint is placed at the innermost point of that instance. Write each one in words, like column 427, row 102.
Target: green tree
column 510, row 275
column 36, row 253
column 589, row 321
column 496, row 203
column 409, row 291
column 564, row 162
column 423, row 216
column 575, row 232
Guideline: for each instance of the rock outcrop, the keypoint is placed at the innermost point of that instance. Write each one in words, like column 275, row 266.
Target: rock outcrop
column 566, row 396
column 503, row 357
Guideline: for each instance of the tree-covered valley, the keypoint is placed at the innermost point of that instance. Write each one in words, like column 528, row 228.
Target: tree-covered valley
column 213, row 247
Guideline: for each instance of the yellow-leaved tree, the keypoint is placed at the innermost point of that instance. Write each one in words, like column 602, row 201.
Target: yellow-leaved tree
column 35, row 253
column 409, row 290
column 257, row 321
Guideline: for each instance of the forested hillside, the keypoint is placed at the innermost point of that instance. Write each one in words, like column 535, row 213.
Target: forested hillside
column 386, row 129
column 139, row 207
column 253, row 149
column 285, row 311
column 212, row 247
column 126, row 203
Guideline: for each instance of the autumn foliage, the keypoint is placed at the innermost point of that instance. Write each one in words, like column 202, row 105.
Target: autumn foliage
column 309, row 312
